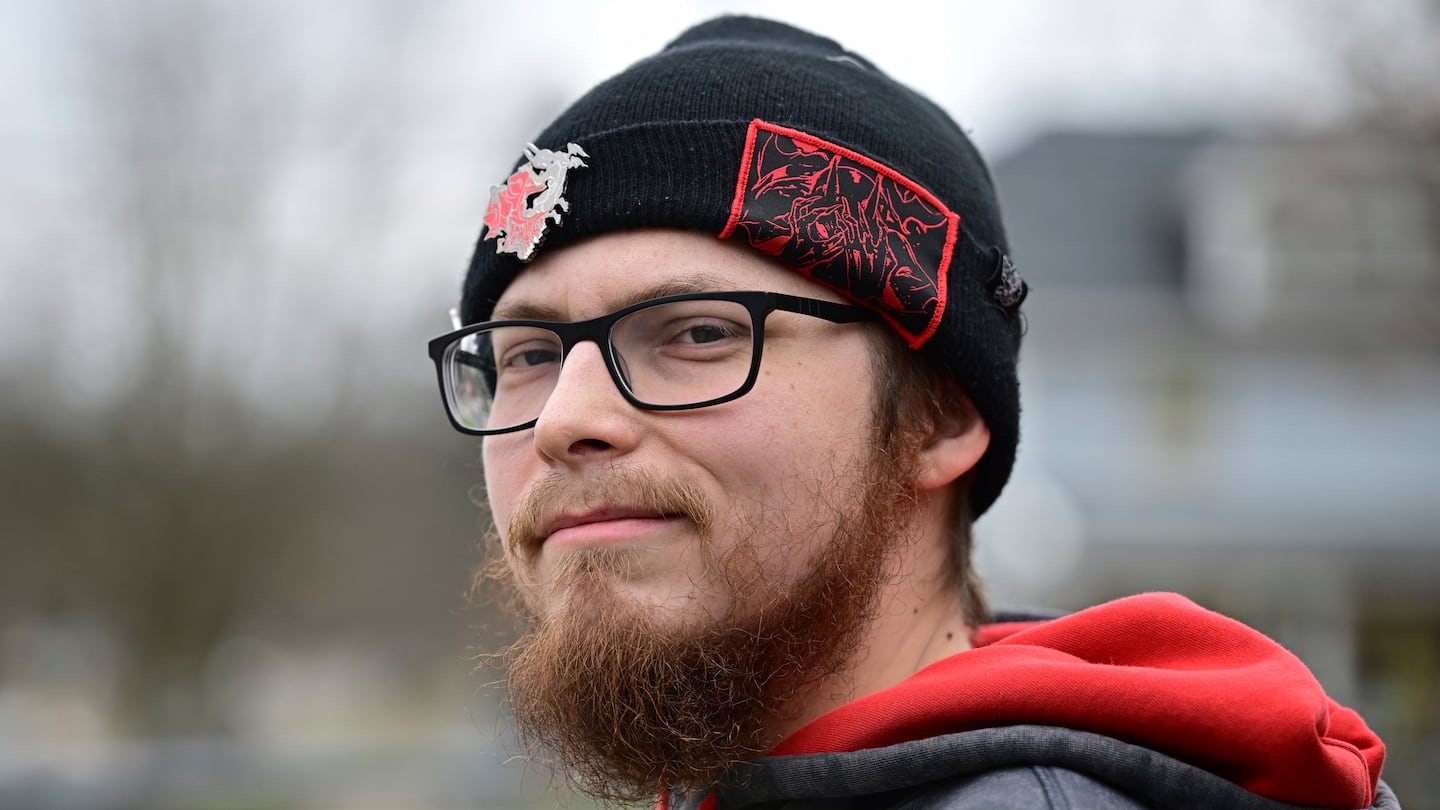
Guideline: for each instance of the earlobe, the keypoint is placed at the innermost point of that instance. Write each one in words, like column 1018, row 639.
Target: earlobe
column 957, row 441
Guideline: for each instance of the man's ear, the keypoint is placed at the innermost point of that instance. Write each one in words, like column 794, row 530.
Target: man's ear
column 957, row 441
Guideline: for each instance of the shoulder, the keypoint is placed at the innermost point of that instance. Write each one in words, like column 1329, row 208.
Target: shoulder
column 994, row 768
column 1027, row 787
column 1031, row 787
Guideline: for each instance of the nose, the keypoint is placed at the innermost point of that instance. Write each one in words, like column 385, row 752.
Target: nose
column 586, row 419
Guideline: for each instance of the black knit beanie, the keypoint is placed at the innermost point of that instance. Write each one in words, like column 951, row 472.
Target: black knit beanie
column 762, row 133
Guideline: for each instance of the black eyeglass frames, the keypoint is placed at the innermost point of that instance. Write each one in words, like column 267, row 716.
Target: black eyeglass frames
column 671, row 353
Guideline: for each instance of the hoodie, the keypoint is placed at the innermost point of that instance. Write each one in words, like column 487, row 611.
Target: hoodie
column 1147, row 701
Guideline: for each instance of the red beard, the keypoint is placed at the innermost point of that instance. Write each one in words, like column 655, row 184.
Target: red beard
column 627, row 706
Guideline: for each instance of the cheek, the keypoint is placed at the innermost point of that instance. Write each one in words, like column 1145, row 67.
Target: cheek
column 503, row 482
column 798, row 427
column 782, row 467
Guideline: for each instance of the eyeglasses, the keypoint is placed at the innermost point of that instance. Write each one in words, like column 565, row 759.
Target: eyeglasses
column 666, row 354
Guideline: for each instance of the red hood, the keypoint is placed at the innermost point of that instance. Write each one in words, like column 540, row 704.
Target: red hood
column 1155, row 670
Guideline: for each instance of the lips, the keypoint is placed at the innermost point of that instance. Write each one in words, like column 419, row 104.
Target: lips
column 606, row 523
column 604, row 504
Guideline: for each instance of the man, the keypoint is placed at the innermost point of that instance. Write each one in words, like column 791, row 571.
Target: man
column 741, row 342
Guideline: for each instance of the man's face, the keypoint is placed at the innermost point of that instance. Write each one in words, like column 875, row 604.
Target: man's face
column 756, row 485
column 689, row 575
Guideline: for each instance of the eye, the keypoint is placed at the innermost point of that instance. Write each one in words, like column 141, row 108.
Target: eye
column 530, row 358
column 528, row 354
column 706, row 332
column 701, row 329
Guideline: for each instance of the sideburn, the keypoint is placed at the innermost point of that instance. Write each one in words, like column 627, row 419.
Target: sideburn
column 910, row 400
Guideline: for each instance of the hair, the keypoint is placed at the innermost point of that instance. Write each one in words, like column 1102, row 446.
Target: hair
column 912, row 397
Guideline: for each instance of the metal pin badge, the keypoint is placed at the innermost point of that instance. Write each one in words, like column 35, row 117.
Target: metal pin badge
column 1009, row 289
column 531, row 199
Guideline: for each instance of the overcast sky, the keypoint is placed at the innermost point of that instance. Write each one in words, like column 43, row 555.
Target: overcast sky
column 1005, row 68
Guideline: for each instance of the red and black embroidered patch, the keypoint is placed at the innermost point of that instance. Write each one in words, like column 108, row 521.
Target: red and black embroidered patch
column 847, row 222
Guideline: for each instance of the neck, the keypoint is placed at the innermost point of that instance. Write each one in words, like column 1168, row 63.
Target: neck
column 920, row 620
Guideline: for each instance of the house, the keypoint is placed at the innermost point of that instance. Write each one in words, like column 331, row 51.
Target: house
column 1231, row 381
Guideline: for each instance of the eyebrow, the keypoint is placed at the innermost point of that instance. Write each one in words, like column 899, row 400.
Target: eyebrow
column 699, row 281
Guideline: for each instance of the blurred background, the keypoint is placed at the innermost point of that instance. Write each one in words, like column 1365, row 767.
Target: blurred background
column 236, row 529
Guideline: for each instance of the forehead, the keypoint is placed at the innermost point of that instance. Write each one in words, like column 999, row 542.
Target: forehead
column 607, row 272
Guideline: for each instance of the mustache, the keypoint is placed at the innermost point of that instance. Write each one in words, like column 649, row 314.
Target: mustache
column 629, row 487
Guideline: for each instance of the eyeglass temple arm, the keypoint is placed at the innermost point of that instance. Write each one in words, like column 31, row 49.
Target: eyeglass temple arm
column 835, row 313
column 472, row 360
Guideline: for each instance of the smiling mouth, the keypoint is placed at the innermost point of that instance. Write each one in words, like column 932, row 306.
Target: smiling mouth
column 608, row 526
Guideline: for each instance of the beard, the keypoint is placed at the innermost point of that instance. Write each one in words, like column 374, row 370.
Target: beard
column 626, row 705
